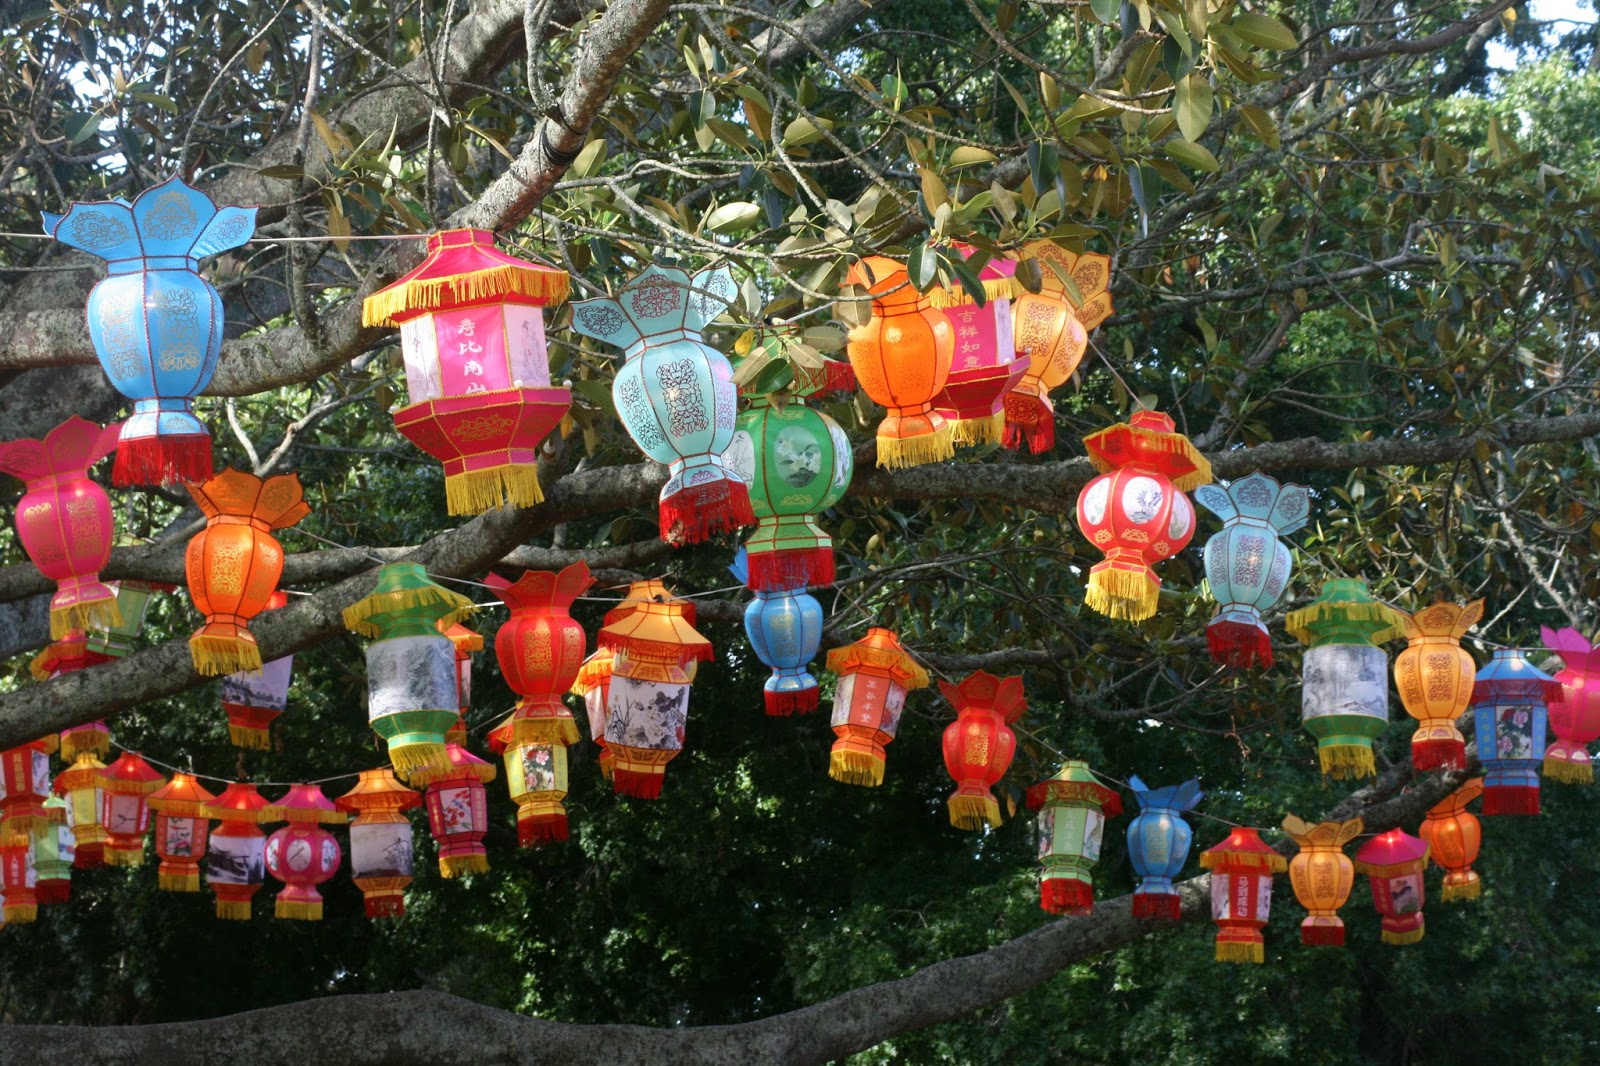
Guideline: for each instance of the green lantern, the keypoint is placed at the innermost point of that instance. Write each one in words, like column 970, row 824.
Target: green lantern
column 411, row 666
column 133, row 599
column 1073, row 807
column 54, row 850
column 1344, row 690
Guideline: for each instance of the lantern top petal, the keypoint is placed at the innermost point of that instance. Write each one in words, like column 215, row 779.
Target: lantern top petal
column 1576, row 652
column 879, row 649
column 74, row 445
column 464, row 640
column 171, row 218
column 1149, row 439
column 1345, row 608
column 1508, row 674
column 462, row 765
column 1172, row 797
column 404, row 593
column 658, row 300
column 1075, row 781
column 378, row 790
column 131, row 775
column 982, row 689
column 1322, row 834
column 239, row 802
column 552, row 590
column 184, row 795
column 279, row 500
column 463, row 268
column 1442, row 620
column 1396, row 851
column 1283, row 507
column 1243, row 847
column 1457, row 801
column 1090, row 272
column 303, row 804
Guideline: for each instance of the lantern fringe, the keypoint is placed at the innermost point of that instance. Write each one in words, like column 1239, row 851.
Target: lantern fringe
column 1342, row 761
column 299, row 910
column 855, row 768
column 1237, row 645
column 656, row 651
column 178, row 880
column 1065, row 895
column 1510, row 799
column 17, row 827
column 608, row 763
column 21, row 913
column 356, row 615
column 838, row 377
column 898, row 453
column 1172, row 443
column 457, row 865
column 55, row 891
column 1299, row 622
column 857, row 655
column 95, row 614
column 387, row 905
column 636, row 784
column 1439, row 753
column 162, row 460
column 254, row 738
column 542, row 829
column 792, row 701
column 791, row 568
column 380, row 308
column 125, row 856
column 1040, row 436
column 698, row 512
column 1567, row 771
column 477, row 491
column 543, row 728
column 972, row 813
column 1236, row 951
column 1454, row 891
column 89, row 856
column 1120, row 594
column 218, row 653
column 421, row 757
column 75, row 742
column 1403, row 936
column 976, row 432
column 1322, row 936
column 1157, row 906
column 993, row 289
column 234, row 910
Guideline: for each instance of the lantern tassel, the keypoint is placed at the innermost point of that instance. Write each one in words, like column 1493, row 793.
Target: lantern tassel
column 1118, row 593
column 639, row 785
column 855, row 767
column 477, row 491
column 993, row 289
column 387, row 905
column 1066, row 895
column 233, row 910
column 1568, row 771
column 1030, row 420
column 75, row 742
column 474, row 286
column 792, row 701
column 397, row 600
column 162, row 460
column 128, row 857
column 608, row 763
column 408, row 759
column 1510, row 799
column 897, row 453
column 792, row 568
column 178, row 880
column 1238, row 951
column 1461, row 886
column 1238, row 645
column 1322, row 935
column 1404, row 936
column 21, row 913
column 298, row 910
column 1157, row 906
column 54, row 892
column 973, row 812
column 542, row 829
column 254, row 738
column 99, row 612
column 457, row 865
column 1343, row 761
column 1439, row 753
column 89, row 856
column 223, row 648
column 698, row 512
column 977, row 432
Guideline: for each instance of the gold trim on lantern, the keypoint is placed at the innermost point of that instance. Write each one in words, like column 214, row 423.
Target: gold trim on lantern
column 216, row 654
column 80, row 617
column 380, row 308
column 958, row 296
column 477, row 491
column 1118, row 593
column 356, row 615
column 1167, row 441
column 976, row 432
column 459, row 865
column 855, row 767
column 897, row 453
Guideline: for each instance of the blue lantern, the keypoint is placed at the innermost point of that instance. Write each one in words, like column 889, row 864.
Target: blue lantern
column 785, row 629
column 675, row 394
column 1510, row 700
column 1158, row 846
column 155, row 323
column 1247, row 566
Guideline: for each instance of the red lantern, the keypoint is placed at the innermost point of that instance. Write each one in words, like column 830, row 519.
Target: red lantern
column 253, row 699
column 1241, row 893
column 302, row 854
column 875, row 673
column 66, row 656
column 236, row 849
column 984, row 366
column 380, row 840
column 181, row 831
column 79, row 785
column 18, row 882
column 1393, row 863
column 125, row 808
column 24, row 785
column 979, row 744
column 458, row 811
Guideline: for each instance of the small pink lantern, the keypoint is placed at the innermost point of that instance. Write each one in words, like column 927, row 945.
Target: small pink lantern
column 985, row 366
column 1393, row 863
column 302, row 854
column 1575, row 714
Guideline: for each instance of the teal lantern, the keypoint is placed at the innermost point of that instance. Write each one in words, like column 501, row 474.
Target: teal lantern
column 1158, row 846
column 1247, row 567
column 1073, row 807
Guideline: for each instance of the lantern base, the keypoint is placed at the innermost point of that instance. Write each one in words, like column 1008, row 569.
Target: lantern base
column 972, row 813
column 460, row 865
column 1462, row 886
column 792, row 568
column 21, row 913
column 53, row 892
column 1030, row 420
column 898, row 453
column 1342, row 761
column 639, row 785
column 476, row 491
column 162, row 460
column 977, row 432
column 1240, row 951
column 298, row 910
column 89, row 856
column 542, row 829
column 95, row 608
column 1322, row 936
column 1118, row 593
column 1239, row 645
column 792, row 701
column 178, row 880
column 855, row 767
column 1438, row 753
column 1159, row 907
column 253, row 738
column 386, row 905
column 224, row 649
column 1568, row 771
column 126, row 857
column 233, row 910
column 1510, row 799
column 1062, row 895
column 698, row 512
column 1404, row 936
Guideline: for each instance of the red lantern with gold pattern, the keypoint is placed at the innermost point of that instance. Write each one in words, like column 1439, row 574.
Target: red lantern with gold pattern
column 181, row 831
column 458, row 810
column 979, row 744
column 125, row 788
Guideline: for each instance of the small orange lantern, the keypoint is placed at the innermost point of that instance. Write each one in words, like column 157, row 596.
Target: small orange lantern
column 1052, row 330
column 1322, row 876
column 380, row 840
column 1454, row 837
column 236, row 849
column 125, row 809
column 979, row 744
column 1434, row 675
column 875, row 673
column 181, row 831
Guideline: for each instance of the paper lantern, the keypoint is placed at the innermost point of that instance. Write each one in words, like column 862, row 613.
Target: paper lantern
column 984, row 363
column 18, row 881
column 458, row 811
column 465, row 643
column 979, row 744
column 536, row 778
column 1247, row 566
column 182, row 827
column 1575, row 714
column 1322, row 876
column 125, row 788
column 785, row 631
column 253, row 700
column 1393, row 863
column 155, row 323
column 1241, row 868
column 477, row 369
column 380, row 840
column 24, row 785
column 54, row 852
column 302, row 854
column 902, row 360
column 1052, row 330
column 1158, row 846
column 79, row 787
column 1344, row 694
column 1510, row 700
column 1136, row 512
column 67, row 656
column 1073, row 807
column 411, row 666
column 115, row 641
column 875, row 673
column 593, row 686
column 1454, row 836
column 1434, row 677
column 675, row 393
column 64, row 519
column 236, row 849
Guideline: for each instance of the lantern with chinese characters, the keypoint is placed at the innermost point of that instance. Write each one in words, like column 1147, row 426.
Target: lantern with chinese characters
column 458, row 811
column 472, row 333
column 1052, row 330
column 1434, row 678
column 593, row 686
column 302, row 854
column 24, row 785
column 785, row 631
column 902, row 360
column 236, row 849
column 1575, row 714
column 1454, row 836
column 1393, row 863
column 1158, row 846
column 1344, row 694
column 380, row 840
column 875, row 673
column 979, row 744
column 984, row 363
column 1073, row 807
column 182, row 827
column 79, row 786
column 1322, row 876
column 18, row 881
column 233, row 565
column 1136, row 511
column 466, row 643
column 1241, row 893
column 411, row 666
column 125, row 788
column 675, row 393
column 1510, row 697
column 155, row 323
column 133, row 601
column 1247, row 566
column 54, row 851
column 67, row 656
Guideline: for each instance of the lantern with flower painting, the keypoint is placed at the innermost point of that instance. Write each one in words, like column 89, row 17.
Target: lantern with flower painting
column 155, row 323
column 471, row 325
column 1393, row 863
column 236, row 849
column 79, row 787
column 458, row 810
column 979, row 744
column 1322, row 876
column 875, row 673
column 1454, row 837
column 536, row 778
column 302, row 854
column 1510, row 700
column 1241, row 893
column 1136, row 512
column 125, row 788
column 1434, row 678
column 984, row 363
column 675, row 393
column 1344, row 690
column 380, row 840
column 1051, row 327
column 182, row 827
column 1575, row 713
column 1158, row 846
column 54, row 852
column 67, row 656
column 24, row 786
column 785, row 631
column 1073, row 807
column 1247, row 566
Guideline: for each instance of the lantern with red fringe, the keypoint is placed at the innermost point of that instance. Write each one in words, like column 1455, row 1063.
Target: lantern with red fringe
column 593, row 686
column 253, row 699
column 133, row 601
column 1510, row 697
column 302, row 854
column 984, row 363
column 875, row 673
column 1052, row 329
column 67, row 656
column 182, row 827
column 1136, row 511
column 1434, row 677
column 236, row 849
column 79, row 786
column 1073, row 807
column 1454, row 837
column 536, row 778
column 675, row 393
column 466, row 643
column 1575, row 714
column 24, row 785
column 1393, row 863
column 785, row 631
column 125, row 788
column 1322, row 876
column 1158, row 846
column 979, row 744
column 1344, row 678
column 1247, row 566
column 458, row 810
column 18, row 881
column 1241, row 893
column 380, row 840
column 233, row 565
column 54, row 852
column 64, row 519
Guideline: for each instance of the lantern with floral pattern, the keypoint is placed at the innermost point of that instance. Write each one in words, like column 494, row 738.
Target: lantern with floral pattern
column 1073, row 807
column 1434, row 677
column 875, row 673
column 1454, row 837
column 1247, row 566
column 1241, row 893
column 1052, row 328
column 380, row 840
column 1393, row 863
column 236, row 849
column 1510, row 700
column 182, row 827
column 1344, row 693
column 1158, row 846
column 979, row 744
column 458, row 810
column 1575, row 714
column 1322, row 876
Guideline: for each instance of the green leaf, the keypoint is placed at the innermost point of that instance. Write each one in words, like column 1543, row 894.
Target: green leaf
column 967, row 277
column 922, row 267
column 970, row 155
column 589, row 159
column 80, row 125
column 733, row 218
column 1192, row 104
column 1264, row 31
column 1193, row 155
column 1106, row 11
column 1261, row 124
column 801, row 132
column 283, row 172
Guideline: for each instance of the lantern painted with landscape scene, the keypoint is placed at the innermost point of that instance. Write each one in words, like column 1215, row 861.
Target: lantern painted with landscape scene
column 458, row 810
column 785, row 631
column 302, row 854
column 1073, row 807
column 1344, row 693
column 1247, row 566
column 182, row 827
column 979, row 744
column 1393, row 863
column 236, row 849
column 875, row 674
column 1454, row 838
column 1575, row 714
column 125, row 788
column 1434, row 678
column 1051, row 327
column 380, row 840
column 1510, row 700
column 1322, row 876
column 54, row 852
column 984, row 363
column 1158, row 846
column 1241, row 866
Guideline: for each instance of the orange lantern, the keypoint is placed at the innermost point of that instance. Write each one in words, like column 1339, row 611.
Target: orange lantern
column 1454, row 837
column 458, row 810
column 233, row 565
column 302, row 854
column 979, row 744
column 1393, row 863
column 125, row 786
column 253, row 699
column 380, row 840
column 1322, row 876
column 1434, row 675
column 984, row 365
column 902, row 360
column 875, row 673
column 1052, row 330
column 181, row 830
column 79, row 785
column 1241, row 893
column 466, row 643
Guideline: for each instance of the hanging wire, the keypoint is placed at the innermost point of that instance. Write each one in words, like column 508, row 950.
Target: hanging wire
column 230, row 780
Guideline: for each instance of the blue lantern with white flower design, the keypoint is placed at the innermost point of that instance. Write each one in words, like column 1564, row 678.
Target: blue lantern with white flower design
column 1247, row 567
column 1510, row 711
column 1158, row 846
column 785, row 629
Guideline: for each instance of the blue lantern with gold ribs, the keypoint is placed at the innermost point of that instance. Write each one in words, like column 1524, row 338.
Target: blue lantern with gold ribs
column 785, row 629
column 155, row 323
column 1510, row 712
column 1247, row 567
column 1158, row 846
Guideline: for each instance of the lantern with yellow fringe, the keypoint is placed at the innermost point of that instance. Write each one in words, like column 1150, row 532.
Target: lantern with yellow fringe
column 1322, row 876
column 125, row 788
column 236, row 849
column 54, row 851
column 67, row 656
column 1241, row 868
column 1393, row 863
column 979, row 744
column 380, row 840
column 1575, row 713
column 233, row 565
column 182, row 827
column 302, row 854
column 1073, row 807
column 1510, row 697
column 593, row 686
column 1454, row 837
column 1247, row 566
column 1136, row 512
column 984, row 363
column 472, row 334
column 1052, row 329
column 253, row 699
column 1158, row 846
column 79, row 786
column 1434, row 677
column 1344, row 693
column 24, row 785
column 411, row 666
column 875, row 673
column 18, row 881
column 536, row 778
column 458, row 810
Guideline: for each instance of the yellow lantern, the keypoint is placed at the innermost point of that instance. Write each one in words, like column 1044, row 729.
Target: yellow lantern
column 1434, row 675
column 1322, row 876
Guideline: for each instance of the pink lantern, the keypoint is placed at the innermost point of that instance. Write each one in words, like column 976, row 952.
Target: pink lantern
column 1575, row 714
column 984, row 367
column 1393, row 863
column 302, row 854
